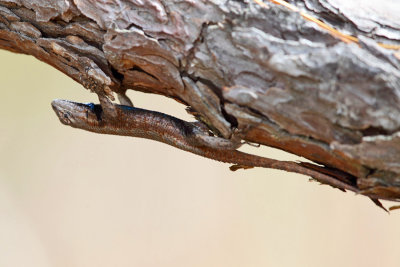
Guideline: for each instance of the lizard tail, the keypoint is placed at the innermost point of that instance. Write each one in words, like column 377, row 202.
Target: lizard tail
column 321, row 174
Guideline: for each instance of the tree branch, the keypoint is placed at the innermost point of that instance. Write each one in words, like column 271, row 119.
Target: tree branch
column 321, row 82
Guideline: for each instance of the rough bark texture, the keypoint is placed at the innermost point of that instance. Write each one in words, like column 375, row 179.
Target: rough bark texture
column 262, row 68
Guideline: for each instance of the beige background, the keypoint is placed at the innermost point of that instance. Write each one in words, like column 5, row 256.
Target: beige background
column 73, row 198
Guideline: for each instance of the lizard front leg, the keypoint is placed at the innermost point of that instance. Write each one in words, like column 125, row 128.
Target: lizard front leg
column 109, row 109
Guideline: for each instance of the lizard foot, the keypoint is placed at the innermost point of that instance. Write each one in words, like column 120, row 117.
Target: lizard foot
column 217, row 142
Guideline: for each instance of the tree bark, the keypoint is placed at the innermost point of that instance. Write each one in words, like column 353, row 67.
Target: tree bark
column 326, row 89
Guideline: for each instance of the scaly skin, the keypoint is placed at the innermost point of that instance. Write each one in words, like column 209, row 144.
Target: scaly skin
column 130, row 121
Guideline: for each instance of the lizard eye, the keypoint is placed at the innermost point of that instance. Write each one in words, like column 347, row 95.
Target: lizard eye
column 66, row 118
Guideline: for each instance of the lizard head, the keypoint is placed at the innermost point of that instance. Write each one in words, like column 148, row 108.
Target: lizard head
column 77, row 115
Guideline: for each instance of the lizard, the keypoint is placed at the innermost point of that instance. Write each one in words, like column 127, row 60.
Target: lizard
column 188, row 136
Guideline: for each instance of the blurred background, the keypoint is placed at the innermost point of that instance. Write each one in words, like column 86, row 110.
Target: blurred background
column 74, row 198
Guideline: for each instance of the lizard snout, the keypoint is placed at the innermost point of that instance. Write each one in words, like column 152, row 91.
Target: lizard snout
column 63, row 109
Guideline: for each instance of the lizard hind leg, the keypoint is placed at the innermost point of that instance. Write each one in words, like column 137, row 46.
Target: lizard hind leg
column 203, row 136
column 216, row 142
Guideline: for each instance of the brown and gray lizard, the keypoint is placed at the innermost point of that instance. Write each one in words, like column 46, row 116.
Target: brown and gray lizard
column 136, row 122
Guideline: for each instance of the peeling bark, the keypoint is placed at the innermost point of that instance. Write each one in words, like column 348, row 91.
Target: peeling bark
column 266, row 70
